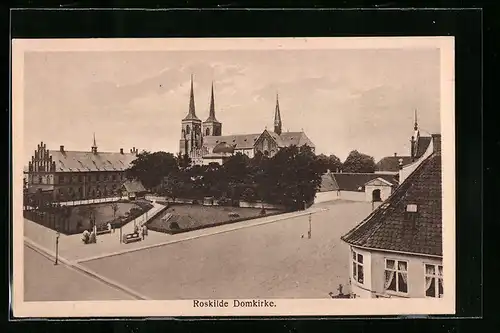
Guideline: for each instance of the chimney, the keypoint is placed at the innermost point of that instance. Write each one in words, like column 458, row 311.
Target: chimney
column 61, row 149
column 436, row 142
column 400, row 163
column 121, row 151
column 395, row 154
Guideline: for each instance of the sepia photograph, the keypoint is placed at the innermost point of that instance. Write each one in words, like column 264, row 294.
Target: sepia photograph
column 233, row 177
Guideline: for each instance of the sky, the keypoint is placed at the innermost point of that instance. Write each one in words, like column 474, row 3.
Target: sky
column 343, row 99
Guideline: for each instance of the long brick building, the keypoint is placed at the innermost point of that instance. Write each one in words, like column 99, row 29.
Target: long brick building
column 76, row 175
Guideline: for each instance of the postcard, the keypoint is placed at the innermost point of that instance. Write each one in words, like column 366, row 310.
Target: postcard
column 233, row 177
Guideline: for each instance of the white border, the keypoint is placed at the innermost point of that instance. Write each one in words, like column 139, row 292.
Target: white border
column 285, row 307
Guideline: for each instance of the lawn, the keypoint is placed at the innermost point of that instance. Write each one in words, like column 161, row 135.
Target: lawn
column 274, row 260
column 184, row 217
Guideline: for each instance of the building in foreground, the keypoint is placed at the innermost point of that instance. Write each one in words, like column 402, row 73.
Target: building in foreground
column 77, row 175
column 397, row 251
column 204, row 143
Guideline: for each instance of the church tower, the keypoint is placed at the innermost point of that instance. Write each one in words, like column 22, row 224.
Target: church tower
column 415, row 137
column 191, row 139
column 211, row 126
column 277, row 118
column 94, row 146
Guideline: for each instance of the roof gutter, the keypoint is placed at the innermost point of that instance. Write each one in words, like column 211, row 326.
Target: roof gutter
column 393, row 251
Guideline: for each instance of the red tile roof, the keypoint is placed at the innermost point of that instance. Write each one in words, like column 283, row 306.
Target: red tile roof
column 389, row 227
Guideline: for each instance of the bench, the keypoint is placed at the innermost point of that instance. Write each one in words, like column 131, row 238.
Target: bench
column 130, row 238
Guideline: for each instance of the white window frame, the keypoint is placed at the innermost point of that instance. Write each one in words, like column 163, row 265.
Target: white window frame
column 355, row 264
column 396, row 270
column 435, row 276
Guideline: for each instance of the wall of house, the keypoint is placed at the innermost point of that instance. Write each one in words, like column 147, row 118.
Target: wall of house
column 416, row 272
column 385, row 192
column 245, row 204
column 84, row 185
column 326, row 196
column 207, row 161
column 361, row 290
column 249, row 152
column 374, row 271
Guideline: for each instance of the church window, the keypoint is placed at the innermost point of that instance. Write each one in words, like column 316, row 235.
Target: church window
column 188, row 130
column 207, row 131
column 40, row 180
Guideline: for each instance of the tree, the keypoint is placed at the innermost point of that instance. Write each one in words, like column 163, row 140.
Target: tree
column 172, row 185
column 151, row 168
column 331, row 162
column 293, row 176
column 359, row 163
column 184, row 161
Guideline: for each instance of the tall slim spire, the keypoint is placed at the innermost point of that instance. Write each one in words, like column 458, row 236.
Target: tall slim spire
column 211, row 115
column 192, row 112
column 277, row 117
column 415, row 126
column 94, row 146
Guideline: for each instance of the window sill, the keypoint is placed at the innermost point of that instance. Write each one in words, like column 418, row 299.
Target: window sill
column 392, row 293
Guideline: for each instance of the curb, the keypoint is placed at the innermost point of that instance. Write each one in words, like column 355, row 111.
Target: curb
column 113, row 254
column 49, row 254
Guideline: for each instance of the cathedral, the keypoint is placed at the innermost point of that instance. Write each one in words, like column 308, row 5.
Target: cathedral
column 204, row 143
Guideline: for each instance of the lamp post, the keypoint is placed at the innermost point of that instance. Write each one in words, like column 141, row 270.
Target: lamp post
column 57, row 247
column 310, row 227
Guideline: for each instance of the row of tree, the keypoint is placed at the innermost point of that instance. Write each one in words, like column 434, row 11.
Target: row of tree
column 291, row 177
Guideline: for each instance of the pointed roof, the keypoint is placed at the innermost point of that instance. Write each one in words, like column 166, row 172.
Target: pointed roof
column 192, row 112
column 211, row 115
column 277, row 115
column 389, row 227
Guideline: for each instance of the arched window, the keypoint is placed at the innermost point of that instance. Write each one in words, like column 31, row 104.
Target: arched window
column 376, row 196
column 188, row 130
column 207, row 131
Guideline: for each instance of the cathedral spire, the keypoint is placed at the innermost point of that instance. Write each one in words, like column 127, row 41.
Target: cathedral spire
column 277, row 117
column 192, row 112
column 211, row 116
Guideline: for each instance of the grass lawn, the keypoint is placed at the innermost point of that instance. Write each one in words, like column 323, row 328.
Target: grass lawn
column 103, row 213
column 274, row 260
column 198, row 216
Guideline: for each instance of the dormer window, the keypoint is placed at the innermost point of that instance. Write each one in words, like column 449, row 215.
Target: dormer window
column 411, row 208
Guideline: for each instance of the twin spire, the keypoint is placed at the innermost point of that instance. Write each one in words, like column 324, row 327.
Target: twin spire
column 211, row 116
column 192, row 109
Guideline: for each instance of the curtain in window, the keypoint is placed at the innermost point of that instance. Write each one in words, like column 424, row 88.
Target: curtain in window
column 402, row 268
column 428, row 283
column 389, row 276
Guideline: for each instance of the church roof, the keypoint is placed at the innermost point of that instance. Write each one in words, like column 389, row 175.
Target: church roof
column 356, row 181
column 211, row 113
column 241, row 141
column 295, row 138
column 83, row 161
column 389, row 227
column 223, row 147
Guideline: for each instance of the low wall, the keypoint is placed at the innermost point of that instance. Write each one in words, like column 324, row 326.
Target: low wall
column 242, row 204
column 326, row 196
column 352, row 196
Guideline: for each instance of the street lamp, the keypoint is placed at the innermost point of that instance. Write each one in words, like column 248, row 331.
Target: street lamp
column 310, row 229
column 57, row 247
